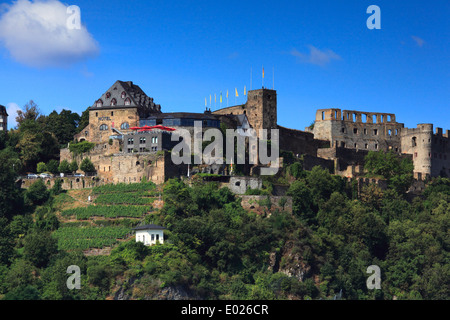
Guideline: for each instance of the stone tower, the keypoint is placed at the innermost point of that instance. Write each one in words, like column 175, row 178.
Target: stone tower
column 260, row 109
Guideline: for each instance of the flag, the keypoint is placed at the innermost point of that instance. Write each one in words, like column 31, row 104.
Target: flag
column 209, row 99
column 245, row 91
column 221, row 97
column 227, row 93
column 263, row 72
column 206, row 103
column 237, row 95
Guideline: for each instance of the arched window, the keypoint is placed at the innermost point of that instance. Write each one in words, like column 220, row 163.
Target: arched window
column 99, row 103
column 123, row 95
column 108, row 95
column 103, row 127
column 127, row 101
column 125, row 126
column 113, row 102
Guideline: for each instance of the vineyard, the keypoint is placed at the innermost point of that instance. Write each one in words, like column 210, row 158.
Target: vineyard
column 131, row 198
column 121, row 205
column 124, row 188
column 116, row 211
column 70, row 238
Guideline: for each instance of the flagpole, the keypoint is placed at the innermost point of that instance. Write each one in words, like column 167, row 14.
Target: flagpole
column 273, row 85
column 251, row 77
column 263, row 77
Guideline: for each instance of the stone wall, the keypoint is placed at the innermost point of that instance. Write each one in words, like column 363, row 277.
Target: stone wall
column 239, row 185
column 259, row 204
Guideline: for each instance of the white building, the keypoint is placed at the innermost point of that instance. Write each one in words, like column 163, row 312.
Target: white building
column 149, row 234
column 3, row 119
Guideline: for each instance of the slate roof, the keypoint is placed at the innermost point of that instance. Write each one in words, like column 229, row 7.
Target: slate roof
column 3, row 111
column 130, row 91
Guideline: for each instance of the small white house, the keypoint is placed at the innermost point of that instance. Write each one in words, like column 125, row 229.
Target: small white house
column 149, row 234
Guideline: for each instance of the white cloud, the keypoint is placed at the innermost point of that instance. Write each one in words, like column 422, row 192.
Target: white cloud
column 36, row 34
column 11, row 110
column 419, row 41
column 315, row 56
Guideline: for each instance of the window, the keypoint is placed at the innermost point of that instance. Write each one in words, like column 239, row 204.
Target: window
column 130, row 141
column 376, row 145
column 113, row 102
column 375, row 132
column 127, row 101
column 355, row 130
column 99, row 103
column 103, row 127
column 125, row 126
column 108, row 95
column 142, row 140
column 123, row 95
column 365, row 131
column 157, row 237
column 153, row 237
column 414, row 142
column 112, row 113
column 415, row 154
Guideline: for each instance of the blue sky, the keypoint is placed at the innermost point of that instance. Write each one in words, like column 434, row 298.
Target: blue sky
column 180, row 52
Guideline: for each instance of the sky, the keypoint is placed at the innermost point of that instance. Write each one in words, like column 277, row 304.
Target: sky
column 316, row 54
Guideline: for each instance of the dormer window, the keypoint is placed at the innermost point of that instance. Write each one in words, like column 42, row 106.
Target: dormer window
column 127, row 101
column 99, row 103
column 108, row 95
column 113, row 102
column 123, row 95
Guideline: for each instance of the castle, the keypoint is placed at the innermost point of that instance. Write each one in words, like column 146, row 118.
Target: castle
column 339, row 139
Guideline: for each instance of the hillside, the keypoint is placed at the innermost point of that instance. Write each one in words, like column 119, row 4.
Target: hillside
column 215, row 249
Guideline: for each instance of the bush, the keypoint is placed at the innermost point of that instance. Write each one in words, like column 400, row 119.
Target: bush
column 37, row 193
column 81, row 147
column 41, row 167
column 87, row 165
column 64, row 167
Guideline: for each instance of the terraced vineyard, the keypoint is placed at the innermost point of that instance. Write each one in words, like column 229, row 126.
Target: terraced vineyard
column 116, row 203
column 70, row 238
column 112, row 211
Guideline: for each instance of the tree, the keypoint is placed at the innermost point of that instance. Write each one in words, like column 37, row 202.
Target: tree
column 37, row 193
column 84, row 120
column 52, row 166
column 29, row 112
column 39, row 247
column 87, row 166
column 41, row 167
column 6, row 242
column 10, row 197
column 63, row 125
column 73, row 166
column 64, row 166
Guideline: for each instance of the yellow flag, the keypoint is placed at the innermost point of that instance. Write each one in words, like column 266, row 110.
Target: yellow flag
column 237, row 95
column 245, row 90
column 206, row 103
column 221, row 97
column 227, row 93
